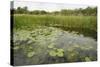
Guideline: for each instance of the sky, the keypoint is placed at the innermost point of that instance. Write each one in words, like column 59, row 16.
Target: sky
column 47, row 6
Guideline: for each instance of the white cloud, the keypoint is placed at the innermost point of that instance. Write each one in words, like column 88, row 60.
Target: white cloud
column 48, row 6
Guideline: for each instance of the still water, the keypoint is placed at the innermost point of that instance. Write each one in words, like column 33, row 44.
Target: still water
column 40, row 46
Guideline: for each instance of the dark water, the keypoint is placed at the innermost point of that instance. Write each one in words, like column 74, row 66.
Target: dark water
column 31, row 47
column 85, row 31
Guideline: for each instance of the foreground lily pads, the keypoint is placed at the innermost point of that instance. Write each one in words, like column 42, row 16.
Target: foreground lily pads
column 51, row 45
column 31, row 54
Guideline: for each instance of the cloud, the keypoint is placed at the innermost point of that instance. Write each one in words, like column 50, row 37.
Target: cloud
column 47, row 6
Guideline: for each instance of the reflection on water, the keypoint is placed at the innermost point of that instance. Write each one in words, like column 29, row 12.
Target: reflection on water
column 84, row 31
column 51, row 45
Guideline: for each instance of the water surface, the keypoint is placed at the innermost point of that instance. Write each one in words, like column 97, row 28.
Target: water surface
column 40, row 46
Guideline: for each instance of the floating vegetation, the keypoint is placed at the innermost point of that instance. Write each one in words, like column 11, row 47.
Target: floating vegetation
column 16, row 47
column 51, row 45
column 52, row 53
column 87, row 59
column 30, row 54
column 60, row 54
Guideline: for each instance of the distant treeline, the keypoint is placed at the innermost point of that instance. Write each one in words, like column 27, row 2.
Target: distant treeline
column 92, row 11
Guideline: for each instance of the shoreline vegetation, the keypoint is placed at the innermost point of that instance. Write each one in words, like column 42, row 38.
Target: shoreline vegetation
column 89, row 11
column 80, row 20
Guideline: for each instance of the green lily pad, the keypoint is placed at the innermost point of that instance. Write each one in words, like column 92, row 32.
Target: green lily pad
column 51, row 46
column 52, row 53
column 30, row 54
column 87, row 59
column 60, row 50
column 60, row 54
column 16, row 47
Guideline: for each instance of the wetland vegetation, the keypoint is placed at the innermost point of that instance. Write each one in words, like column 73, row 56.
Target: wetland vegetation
column 41, row 37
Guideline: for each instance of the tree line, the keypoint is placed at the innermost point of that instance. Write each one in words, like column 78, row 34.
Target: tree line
column 87, row 11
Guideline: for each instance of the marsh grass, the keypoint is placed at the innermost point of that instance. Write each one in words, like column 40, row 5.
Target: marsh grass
column 86, row 25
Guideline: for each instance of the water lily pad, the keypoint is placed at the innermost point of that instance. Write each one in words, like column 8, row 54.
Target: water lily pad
column 87, row 59
column 50, row 46
column 30, row 54
column 60, row 50
column 52, row 53
column 30, row 47
column 60, row 54
column 16, row 47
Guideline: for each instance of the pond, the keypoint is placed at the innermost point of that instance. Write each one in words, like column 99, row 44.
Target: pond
column 46, row 45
